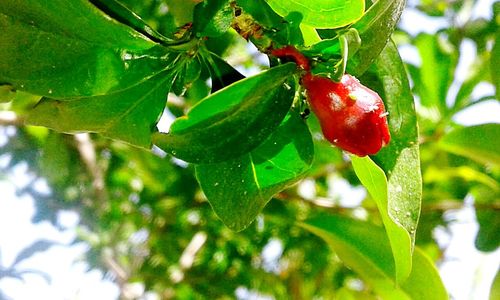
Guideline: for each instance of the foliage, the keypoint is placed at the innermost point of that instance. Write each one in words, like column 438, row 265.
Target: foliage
column 190, row 212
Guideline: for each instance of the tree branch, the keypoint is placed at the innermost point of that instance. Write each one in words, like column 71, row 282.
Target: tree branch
column 87, row 152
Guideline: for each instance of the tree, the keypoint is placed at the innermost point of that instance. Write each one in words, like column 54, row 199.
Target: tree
column 189, row 212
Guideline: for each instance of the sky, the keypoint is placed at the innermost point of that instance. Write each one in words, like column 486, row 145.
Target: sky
column 71, row 280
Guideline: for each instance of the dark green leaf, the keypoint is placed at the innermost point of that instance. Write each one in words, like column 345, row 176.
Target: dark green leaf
column 321, row 13
column 63, row 49
column 375, row 29
column 366, row 249
column 488, row 217
column 238, row 189
column 480, row 143
column 232, row 121
column 121, row 13
column 129, row 115
column 487, row 238
column 212, row 18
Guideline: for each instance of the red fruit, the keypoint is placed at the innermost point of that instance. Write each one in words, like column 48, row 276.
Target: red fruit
column 351, row 115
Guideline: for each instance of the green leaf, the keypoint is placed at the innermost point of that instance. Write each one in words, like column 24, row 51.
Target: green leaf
column 238, row 189
column 7, row 93
column 261, row 12
column 309, row 34
column 129, row 115
column 495, row 287
column 212, row 18
column 476, row 75
column 366, row 249
column 494, row 63
column 232, row 121
column 121, row 13
column 222, row 73
column 282, row 30
column 488, row 239
column 375, row 28
column 62, row 49
column 436, row 73
column 373, row 178
column 434, row 174
column 189, row 71
column 399, row 160
column 55, row 159
column 424, row 281
column 480, row 143
column 488, row 218
column 321, row 13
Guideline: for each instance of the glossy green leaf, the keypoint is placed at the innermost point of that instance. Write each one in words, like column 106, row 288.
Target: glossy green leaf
column 399, row 161
column 436, row 73
column 232, row 121
column 375, row 28
column 212, row 18
column 335, row 53
column 480, row 143
column 365, row 248
column 321, row 13
column 239, row 188
column 129, row 115
column 120, row 12
column 62, row 49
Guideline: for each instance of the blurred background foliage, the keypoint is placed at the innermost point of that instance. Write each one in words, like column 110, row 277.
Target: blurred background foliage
column 147, row 221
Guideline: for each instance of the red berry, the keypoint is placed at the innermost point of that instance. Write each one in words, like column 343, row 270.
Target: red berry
column 351, row 115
